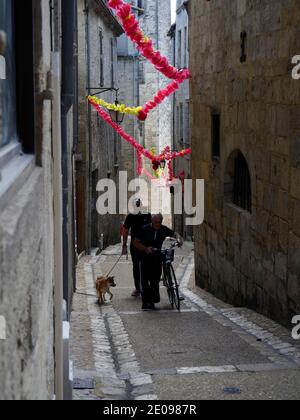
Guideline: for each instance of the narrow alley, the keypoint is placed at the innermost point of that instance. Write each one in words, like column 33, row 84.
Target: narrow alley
column 208, row 351
column 149, row 121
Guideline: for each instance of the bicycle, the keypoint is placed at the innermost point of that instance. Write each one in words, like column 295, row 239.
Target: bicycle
column 169, row 276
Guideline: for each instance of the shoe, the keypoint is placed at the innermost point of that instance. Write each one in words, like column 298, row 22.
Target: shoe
column 146, row 307
column 136, row 293
column 152, row 307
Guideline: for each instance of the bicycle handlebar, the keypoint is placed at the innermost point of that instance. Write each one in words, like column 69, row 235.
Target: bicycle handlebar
column 176, row 244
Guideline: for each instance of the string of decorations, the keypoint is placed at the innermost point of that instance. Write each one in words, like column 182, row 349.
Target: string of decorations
column 145, row 47
column 166, row 154
column 178, row 76
column 123, row 109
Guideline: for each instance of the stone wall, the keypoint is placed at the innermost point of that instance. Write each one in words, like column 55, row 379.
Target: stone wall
column 247, row 258
column 139, row 82
column 181, row 106
column 26, row 253
column 99, row 148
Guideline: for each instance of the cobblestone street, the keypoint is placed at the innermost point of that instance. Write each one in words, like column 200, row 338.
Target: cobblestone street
column 208, row 351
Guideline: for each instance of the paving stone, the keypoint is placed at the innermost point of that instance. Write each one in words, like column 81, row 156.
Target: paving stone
column 149, row 397
column 206, row 369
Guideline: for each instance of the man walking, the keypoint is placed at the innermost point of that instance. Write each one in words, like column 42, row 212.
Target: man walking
column 133, row 224
column 152, row 237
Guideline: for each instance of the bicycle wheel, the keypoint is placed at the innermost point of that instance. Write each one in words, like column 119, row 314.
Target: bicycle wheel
column 169, row 286
column 174, row 288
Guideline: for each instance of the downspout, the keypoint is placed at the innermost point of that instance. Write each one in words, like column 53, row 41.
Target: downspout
column 158, row 73
column 68, row 82
column 76, row 137
column 89, row 122
column 57, row 205
column 135, row 80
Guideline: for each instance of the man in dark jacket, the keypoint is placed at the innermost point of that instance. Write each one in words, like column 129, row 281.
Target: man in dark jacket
column 133, row 224
column 152, row 237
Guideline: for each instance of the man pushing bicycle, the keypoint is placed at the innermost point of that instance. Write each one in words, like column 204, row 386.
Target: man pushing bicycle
column 149, row 240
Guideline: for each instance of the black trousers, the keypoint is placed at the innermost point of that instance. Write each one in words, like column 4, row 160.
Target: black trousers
column 151, row 270
column 135, row 255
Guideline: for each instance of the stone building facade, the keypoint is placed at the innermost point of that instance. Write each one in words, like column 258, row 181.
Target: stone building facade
column 98, row 152
column 139, row 81
column 181, row 135
column 246, row 139
column 31, row 202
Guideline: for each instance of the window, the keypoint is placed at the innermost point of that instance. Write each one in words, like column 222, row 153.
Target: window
column 179, row 58
column 142, row 76
column 216, row 134
column 112, row 57
column 17, row 97
column 101, row 57
column 17, row 89
column 178, row 123
column 8, row 103
column 116, row 150
column 238, row 182
column 181, row 124
column 141, row 6
column 185, row 64
column 187, row 130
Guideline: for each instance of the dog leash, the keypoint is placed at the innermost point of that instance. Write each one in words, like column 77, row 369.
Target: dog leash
column 119, row 259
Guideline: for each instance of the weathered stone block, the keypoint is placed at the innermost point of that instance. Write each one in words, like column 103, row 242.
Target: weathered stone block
column 294, row 254
column 295, row 150
column 295, row 182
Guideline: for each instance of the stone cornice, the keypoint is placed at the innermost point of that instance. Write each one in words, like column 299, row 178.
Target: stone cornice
column 102, row 8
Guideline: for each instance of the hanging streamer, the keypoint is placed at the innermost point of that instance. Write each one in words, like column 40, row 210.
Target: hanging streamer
column 145, row 47
column 123, row 109
column 178, row 76
column 141, row 151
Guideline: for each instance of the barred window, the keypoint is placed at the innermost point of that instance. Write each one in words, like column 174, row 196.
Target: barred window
column 238, row 182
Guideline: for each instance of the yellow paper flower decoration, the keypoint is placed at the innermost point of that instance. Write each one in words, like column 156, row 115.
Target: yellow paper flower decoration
column 123, row 109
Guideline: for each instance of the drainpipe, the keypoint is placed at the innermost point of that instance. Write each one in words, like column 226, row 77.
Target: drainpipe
column 57, row 204
column 69, row 10
column 76, row 139
column 158, row 73
column 89, row 123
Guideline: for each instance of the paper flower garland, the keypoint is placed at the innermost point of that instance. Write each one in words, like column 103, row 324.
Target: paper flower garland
column 166, row 154
column 123, row 109
column 145, row 47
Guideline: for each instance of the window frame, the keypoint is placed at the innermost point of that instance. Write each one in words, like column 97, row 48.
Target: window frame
column 18, row 157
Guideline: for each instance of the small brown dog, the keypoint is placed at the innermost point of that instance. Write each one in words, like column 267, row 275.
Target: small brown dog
column 103, row 285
